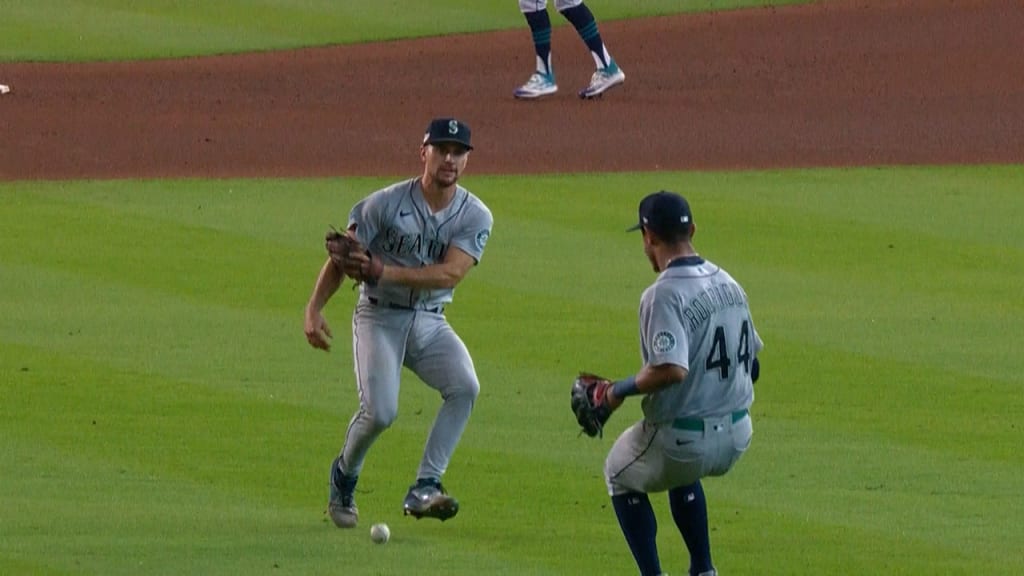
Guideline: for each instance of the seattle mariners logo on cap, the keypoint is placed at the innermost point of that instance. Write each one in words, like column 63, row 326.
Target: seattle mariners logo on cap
column 448, row 130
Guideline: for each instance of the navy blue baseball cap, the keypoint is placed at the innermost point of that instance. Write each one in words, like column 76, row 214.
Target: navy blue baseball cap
column 448, row 130
column 664, row 213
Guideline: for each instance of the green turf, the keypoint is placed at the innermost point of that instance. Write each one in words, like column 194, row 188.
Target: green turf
column 161, row 413
column 54, row 30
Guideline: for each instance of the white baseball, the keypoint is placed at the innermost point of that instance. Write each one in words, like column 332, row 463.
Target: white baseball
column 380, row 533
column 4, row 88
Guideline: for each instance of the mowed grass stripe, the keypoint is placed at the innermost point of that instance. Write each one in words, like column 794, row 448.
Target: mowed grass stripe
column 884, row 438
column 849, row 504
column 175, row 257
column 159, row 473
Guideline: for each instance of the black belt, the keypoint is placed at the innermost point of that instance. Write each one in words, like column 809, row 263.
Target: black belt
column 434, row 310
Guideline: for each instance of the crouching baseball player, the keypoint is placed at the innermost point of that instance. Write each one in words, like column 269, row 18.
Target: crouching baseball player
column 699, row 350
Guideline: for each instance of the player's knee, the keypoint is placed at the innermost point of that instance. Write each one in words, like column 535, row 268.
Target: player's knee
column 612, row 472
column 383, row 418
column 466, row 387
column 473, row 388
column 617, row 488
column 563, row 5
column 527, row 6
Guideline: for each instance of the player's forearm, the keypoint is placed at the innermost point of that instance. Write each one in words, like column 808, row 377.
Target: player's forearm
column 431, row 277
column 654, row 378
column 648, row 379
column 327, row 284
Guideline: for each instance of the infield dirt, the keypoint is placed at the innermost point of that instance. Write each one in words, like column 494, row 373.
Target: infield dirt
column 850, row 82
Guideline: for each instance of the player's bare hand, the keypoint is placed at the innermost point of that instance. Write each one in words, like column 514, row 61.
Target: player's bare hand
column 362, row 266
column 318, row 333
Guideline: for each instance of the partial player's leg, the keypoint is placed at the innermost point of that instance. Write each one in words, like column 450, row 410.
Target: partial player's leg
column 690, row 512
column 711, row 446
column 607, row 74
column 439, row 357
column 640, row 527
column 542, row 81
column 378, row 344
column 732, row 441
column 628, row 470
column 341, row 503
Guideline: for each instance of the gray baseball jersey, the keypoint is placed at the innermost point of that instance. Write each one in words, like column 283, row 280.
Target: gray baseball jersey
column 396, row 224
column 395, row 325
column 695, row 315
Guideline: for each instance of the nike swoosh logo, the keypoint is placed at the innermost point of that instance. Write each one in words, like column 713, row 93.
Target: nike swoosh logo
column 683, row 442
column 404, row 214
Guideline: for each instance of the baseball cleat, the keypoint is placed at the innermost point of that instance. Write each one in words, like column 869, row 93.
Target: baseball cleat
column 540, row 84
column 604, row 79
column 342, row 504
column 428, row 499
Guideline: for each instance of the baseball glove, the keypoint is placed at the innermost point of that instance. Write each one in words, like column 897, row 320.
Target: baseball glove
column 588, row 403
column 352, row 258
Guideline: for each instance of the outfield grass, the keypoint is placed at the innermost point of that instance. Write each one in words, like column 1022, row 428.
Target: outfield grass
column 162, row 414
column 56, row 30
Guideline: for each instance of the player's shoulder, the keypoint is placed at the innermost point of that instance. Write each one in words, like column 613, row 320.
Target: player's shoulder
column 661, row 293
column 474, row 204
column 383, row 200
column 718, row 273
column 400, row 188
column 678, row 284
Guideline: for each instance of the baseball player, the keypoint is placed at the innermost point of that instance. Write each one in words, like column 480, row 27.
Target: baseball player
column 421, row 238
column 542, row 82
column 699, row 350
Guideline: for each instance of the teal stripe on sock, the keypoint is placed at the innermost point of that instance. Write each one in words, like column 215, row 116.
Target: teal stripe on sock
column 589, row 31
column 542, row 37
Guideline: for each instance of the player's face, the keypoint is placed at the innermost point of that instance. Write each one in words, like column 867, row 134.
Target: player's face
column 649, row 249
column 444, row 162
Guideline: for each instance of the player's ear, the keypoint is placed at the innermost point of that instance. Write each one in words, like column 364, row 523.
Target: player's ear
column 649, row 238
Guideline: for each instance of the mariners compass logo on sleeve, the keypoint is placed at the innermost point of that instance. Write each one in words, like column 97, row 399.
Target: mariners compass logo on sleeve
column 481, row 238
column 664, row 342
